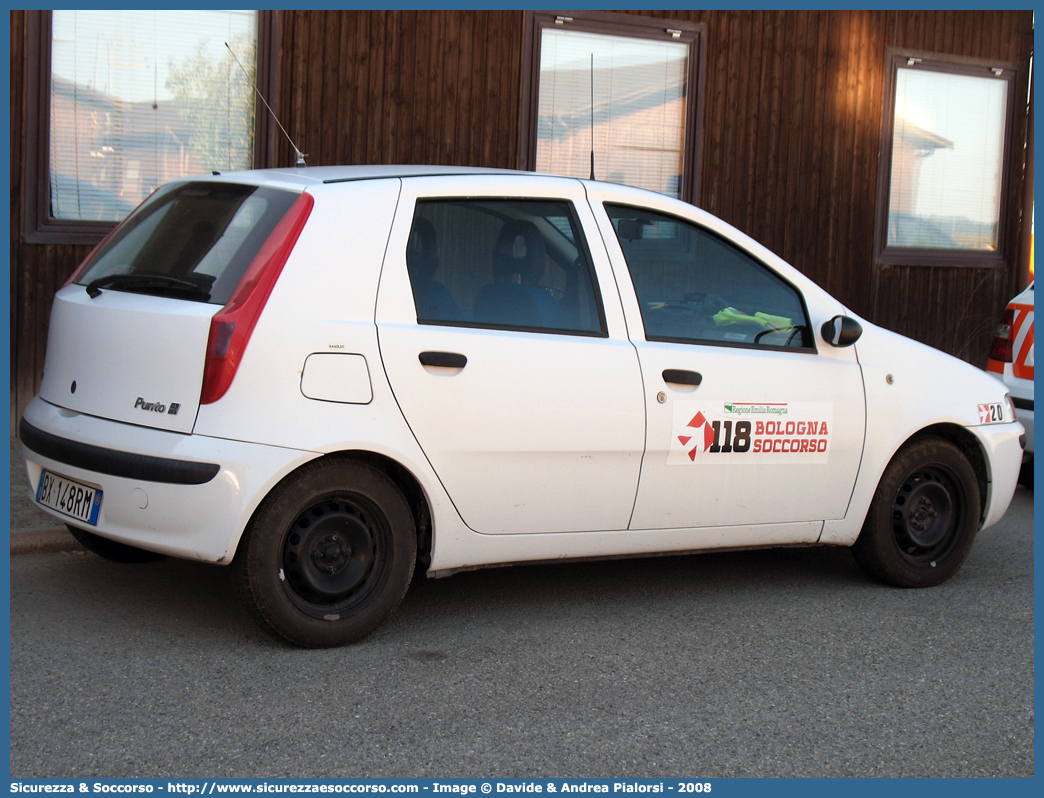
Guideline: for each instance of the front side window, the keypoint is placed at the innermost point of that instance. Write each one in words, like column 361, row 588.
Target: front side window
column 695, row 287
column 613, row 96
column 945, row 165
column 502, row 264
column 128, row 100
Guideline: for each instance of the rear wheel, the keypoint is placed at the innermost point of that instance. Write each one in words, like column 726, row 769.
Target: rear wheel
column 111, row 549
column 328, row 555
column 923, row 518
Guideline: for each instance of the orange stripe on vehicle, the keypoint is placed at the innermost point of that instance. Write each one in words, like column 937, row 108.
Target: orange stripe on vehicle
column 1020, row 317
column 1019, row 368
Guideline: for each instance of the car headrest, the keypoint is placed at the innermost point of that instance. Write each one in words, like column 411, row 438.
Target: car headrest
column 519, row 254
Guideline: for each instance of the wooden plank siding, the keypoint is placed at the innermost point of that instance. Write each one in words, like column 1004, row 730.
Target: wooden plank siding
column 38, row 270
column 955, row 310
column 793, row 107
column 402, row 86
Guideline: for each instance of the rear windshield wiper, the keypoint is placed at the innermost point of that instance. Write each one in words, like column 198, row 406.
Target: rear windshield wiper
column 145, row 283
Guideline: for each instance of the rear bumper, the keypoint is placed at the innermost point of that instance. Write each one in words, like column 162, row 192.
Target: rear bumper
column 188, row 496
column 113, row 462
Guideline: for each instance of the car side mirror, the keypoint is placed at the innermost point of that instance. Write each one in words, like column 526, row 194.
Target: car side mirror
column 841, row 331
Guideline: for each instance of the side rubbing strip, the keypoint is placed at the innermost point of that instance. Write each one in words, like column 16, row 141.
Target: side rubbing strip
column 113, row 462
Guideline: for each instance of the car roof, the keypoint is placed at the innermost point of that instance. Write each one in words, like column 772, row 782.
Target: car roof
column 312, row 175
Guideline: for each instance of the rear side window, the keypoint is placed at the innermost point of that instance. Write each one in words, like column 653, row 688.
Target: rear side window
column 189, row 240
column 695, row 287
column 502, row 264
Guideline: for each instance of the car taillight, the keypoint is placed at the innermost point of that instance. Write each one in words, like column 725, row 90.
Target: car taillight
column 231, row 327
column 1001, row 347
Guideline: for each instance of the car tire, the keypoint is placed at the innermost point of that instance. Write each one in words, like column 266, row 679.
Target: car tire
column 923, row 518
column 328, row 555
column 111, row 549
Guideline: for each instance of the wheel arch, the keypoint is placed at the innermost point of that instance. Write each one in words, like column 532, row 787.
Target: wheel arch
column 403, row 479
column 926, row 510
column 969, row 446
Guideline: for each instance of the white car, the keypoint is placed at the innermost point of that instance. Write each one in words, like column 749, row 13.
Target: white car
column 1011, row 359
column 331, row 377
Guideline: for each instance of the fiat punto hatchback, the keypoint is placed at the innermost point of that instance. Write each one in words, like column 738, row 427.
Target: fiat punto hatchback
column 330, row 378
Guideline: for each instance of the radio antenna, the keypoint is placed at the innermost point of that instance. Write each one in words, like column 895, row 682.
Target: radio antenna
column 300, row 156
column 592, row 116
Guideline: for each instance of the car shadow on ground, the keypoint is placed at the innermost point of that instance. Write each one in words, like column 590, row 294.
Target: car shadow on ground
column 178, row 598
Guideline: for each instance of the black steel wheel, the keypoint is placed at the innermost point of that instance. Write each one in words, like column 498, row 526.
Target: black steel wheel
column 334, row 553
column 111, row 549
column 328, row 555
column 923, row 518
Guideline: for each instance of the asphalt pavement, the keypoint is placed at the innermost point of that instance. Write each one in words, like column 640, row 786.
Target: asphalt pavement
column 767, row 663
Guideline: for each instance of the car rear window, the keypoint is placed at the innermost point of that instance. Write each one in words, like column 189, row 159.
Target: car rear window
column 189, row 240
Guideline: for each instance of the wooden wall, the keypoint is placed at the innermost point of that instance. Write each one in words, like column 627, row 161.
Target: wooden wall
column 793, row 111
column 438, row 87
column 956, row 310
column 37, row 271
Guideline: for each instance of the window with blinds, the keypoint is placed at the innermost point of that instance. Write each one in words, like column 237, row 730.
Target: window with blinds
column 618, row 98
column 141, row 97
column 945, row 162
column 613, row 94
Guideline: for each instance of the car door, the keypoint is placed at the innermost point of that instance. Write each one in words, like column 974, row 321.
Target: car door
column 749, row 423
column 504, row 343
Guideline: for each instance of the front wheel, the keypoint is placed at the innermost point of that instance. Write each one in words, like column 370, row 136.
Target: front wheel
column 328, row 555
column 923, row 518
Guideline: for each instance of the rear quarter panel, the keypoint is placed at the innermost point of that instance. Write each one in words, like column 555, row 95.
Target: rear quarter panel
column 323, row 303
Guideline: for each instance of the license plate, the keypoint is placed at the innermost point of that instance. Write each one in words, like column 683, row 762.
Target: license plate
column 69, row 497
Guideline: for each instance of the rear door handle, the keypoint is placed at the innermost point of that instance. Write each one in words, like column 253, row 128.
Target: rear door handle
column 448, row 360
column 682, row 377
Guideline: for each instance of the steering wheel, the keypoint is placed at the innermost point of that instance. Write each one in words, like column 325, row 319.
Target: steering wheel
column 794, row 332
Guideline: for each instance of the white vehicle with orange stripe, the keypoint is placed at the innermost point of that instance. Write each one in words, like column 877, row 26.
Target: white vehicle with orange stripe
column 1011, row 358
column 330, row 378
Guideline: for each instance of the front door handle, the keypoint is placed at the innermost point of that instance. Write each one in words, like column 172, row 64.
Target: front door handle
column 682, row 377
column 447, row 360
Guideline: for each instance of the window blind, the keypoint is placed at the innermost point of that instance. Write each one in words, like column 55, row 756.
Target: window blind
column 141, row 97
column 947, row 160
column 636, row 122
